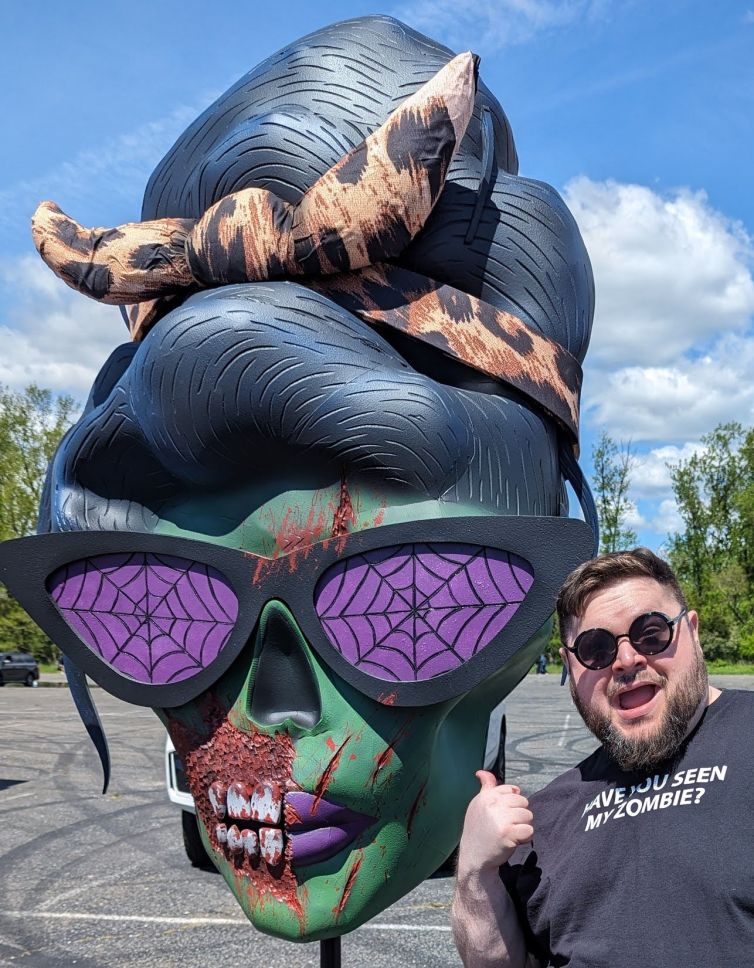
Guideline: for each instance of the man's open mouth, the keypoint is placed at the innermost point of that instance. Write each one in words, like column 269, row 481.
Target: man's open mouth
column 637, row 697
column 260, row 820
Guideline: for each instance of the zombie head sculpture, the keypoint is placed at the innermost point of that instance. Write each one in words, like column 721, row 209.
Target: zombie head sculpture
column 312, row 513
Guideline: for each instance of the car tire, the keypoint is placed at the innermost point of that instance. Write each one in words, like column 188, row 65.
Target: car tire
column 29, row 680
column 2, row 681
column 192, row 842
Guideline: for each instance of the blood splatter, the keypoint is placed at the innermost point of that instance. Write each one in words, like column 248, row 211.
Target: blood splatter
column 293, row 537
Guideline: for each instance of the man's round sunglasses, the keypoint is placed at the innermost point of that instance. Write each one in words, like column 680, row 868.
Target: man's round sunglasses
column 649, row 634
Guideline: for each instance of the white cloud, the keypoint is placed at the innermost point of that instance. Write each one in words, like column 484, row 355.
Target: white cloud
column 680, row 402
column 748, row 17
column 53, row 336
column 634, row 519
column 667, row 520
column 494, row 24
column 672, row 345
column 650, row 475
column 671, row 272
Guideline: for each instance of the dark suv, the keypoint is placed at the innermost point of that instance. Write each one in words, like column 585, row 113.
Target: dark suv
column 18, row 667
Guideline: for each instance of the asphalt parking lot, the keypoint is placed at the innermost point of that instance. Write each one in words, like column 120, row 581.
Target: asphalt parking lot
column 97, row 881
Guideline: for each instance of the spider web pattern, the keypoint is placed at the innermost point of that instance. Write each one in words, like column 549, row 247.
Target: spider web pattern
column 154, row 618
column 415, row 611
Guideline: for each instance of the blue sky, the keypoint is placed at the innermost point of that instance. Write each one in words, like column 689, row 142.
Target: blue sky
column 639, row 113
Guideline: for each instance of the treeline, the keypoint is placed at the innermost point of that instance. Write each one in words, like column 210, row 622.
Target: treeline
column 31, row 426
column 713, row 553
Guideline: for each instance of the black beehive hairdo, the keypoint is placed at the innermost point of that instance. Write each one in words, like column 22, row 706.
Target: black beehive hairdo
column 287, row 372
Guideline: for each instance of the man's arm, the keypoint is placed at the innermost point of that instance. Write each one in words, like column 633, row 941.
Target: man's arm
column 486, row 929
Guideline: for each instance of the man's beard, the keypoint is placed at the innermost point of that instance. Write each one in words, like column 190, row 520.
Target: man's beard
column 640, row 753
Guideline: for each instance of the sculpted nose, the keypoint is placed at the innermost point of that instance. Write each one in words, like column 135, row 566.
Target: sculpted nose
column 285, row 687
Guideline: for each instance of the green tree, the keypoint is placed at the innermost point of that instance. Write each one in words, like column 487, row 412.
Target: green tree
column 713, row 555
column 613, row 464
column 31, row 426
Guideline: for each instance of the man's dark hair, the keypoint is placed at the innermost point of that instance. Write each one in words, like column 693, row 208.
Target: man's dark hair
column 606, row 570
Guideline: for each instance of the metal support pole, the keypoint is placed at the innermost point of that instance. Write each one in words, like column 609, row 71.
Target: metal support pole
column 329, row 953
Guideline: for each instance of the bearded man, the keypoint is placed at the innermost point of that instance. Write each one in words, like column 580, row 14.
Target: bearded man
column 641, row 854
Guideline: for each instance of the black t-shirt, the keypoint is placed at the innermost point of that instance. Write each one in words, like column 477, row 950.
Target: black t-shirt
column 629, row 871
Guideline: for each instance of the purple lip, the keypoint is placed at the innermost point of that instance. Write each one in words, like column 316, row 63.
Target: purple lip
column 321, row 828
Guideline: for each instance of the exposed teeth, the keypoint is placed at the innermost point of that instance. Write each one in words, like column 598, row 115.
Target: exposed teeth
column 267, row 803
column 250, row 842
column 262, row 804
column 235, row 843
column 271, row 844
column 217, row 794
column 239, row 801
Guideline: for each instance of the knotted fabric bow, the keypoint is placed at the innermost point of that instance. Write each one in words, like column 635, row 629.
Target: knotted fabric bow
column 337, row 239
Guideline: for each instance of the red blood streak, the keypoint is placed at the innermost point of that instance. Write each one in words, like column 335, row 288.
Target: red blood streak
column 292, row 537
column 331, row 743
column 381, row 761
column 329, row 772
column 384, row 758
column 387, row 699
column 344, row 513
column 415, row 807
column 292, row 815
column 338, row 909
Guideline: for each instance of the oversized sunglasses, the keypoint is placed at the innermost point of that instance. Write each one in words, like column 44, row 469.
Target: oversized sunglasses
column 409, row 614
column 649, row 634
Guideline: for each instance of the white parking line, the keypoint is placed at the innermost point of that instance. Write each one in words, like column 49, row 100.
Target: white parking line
column 152, row 919
column 15, row 796
column 565, row 729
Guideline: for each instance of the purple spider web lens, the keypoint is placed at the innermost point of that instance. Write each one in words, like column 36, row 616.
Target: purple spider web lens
column 416, row 611
column 154, row 618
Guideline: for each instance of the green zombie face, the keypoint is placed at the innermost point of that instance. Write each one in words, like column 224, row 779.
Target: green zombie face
column 319, row 805
column 298, row 559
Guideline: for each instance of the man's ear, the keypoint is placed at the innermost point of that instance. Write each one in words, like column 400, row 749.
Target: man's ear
column 693, row 618
column 565, row 659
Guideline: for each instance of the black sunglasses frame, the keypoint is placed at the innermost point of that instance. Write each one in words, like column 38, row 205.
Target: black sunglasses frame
column 670, row 622
column 552, row 546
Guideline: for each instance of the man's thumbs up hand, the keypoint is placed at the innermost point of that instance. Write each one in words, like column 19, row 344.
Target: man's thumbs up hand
column 497, row 821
